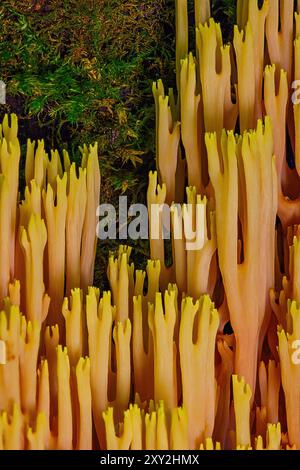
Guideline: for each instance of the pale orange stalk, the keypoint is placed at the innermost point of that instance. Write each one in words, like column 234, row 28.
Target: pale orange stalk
column 223, row 374
column 73, row 315
column 51, row 340
column 209, row 445
column 10, row 326
column 290, row 288
column 157, row 437
column 290, row 375
column 36, row 438
column 31, row 204
column 247, row 284
column 14, row 294
column 99, row 322
column 55, row 208
column 12, row 430
column 242, row 398
column 269, row 382
column 276, row 102
column 43, row 399
column 245, row 56
column 280, row 46
column 182, row 35
column 10, row 157
column 54, row 170
column 114, row 442
column 201, row 271
column 89, row 238
column 142, row 353
column 84, row 419
column 5, row 235
column 64, row 408
column 215, row 72
column 36, row 163
column 33, row 241
column 194, row 266
column 29, row 348
column 120, row 275
column 179, row 434
column 249, row 12
column 242, row 13
column 197, row 360
column 179, row 248
column 138, row 428
column 190, row 124
column 280, row 41
column 162, row 323
column 297, row 106
column 108, row 388
column 156, row 198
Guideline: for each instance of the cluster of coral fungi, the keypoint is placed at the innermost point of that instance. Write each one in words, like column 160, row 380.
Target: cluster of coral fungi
column 194, row 354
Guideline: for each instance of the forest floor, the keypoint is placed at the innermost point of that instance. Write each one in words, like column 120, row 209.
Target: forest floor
column 83, row 73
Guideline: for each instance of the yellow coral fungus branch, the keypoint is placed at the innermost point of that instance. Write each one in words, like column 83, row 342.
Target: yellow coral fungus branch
column 249, row 161
column 167, row 142
column 84, row 425
column 114, row 442
column 215, row 71
column 64, row 416
column 269, row 381
column 89, row 239
column 197, row 366
column 162, row 324
column 202, row 11
column 290, row 375
column 43, row 398
column 143, row 361
column 77, row 198
column 156, row 199
column 99, row 323
column 36, row 439
column 10, row 328
column 201, row 268
column 119, row 273
column 182, row 35
column 5, row 235
column 244, row 49
column 10, row 157
column 12, row 429
column 29, row 348
column 179, row 430
column 138, row 427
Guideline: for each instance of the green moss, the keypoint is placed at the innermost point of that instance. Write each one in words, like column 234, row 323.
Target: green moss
column 224, row 11
column 88, row 67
